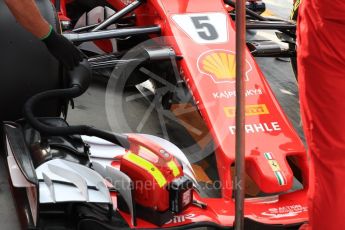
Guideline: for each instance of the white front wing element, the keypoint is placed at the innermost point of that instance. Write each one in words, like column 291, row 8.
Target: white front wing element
column 64, row 181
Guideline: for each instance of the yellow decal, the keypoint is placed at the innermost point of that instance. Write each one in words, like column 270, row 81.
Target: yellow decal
column 274, row 165
column 148, row 166
column 220, row 65
column 173, row 167
column 251, row 110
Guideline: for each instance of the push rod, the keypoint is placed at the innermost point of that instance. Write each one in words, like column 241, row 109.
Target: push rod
column 116, row 16
column 114, row 33
column 270, row 26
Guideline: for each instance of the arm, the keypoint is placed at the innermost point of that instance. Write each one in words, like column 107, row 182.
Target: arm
column 28, row 15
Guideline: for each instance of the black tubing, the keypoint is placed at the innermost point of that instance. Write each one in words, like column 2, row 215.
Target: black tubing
column 81, row 76
column 261, row 18
column 73, row 92
column 80, row 80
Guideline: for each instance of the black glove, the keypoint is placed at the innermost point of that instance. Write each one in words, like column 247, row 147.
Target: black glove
column 62, row 49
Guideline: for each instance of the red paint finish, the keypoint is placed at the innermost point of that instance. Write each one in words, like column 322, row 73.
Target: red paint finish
column 270, row 137
column 321, row 75
column 269, row 132
column 147, row 190
column 62, row 13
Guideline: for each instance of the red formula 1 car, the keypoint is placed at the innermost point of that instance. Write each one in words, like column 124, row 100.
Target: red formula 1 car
column 102, row 180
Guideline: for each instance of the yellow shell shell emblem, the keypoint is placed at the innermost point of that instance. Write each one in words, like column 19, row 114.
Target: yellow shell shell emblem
column 220, row 65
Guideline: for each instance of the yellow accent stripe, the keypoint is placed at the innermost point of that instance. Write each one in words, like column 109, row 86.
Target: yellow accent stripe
column 148, row 166
column 172, row 166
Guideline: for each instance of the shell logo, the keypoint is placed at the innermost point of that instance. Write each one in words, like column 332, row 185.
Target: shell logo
column 220, row 65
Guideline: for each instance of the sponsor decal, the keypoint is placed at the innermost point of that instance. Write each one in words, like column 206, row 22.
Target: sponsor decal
column 285, row 211
column 204, row 28
column 250, row 110
column 220, row 65
column 276, row 168
column 181, row 219
column 259, row 128
column 227, row 94
column 186, row 197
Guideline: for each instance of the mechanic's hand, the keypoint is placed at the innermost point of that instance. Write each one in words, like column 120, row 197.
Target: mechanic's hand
column 62, row 49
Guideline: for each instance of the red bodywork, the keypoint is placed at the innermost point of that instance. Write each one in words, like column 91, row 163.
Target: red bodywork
column 270, row 138
column 155, row 194
column 61, row 9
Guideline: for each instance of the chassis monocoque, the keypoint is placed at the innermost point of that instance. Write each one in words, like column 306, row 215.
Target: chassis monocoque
column 69, row 177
